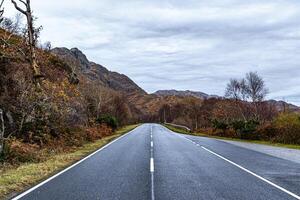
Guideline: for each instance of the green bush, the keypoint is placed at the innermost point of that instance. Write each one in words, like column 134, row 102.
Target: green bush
column 109, row 121
column 287, row 128
column 249, row 130
column 220, row 125
column 237, row 125
column 245, row 129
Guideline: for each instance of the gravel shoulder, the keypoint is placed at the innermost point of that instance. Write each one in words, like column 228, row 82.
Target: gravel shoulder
column 284, row 153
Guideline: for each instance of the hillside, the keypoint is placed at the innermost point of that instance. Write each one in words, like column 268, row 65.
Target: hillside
column 144, row 106
column 284, row 106
column 95, row 72
column 280, row 105
column 186, row 93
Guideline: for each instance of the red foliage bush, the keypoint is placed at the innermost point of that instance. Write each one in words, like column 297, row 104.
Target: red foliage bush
column 97, row 132
column 22, row 152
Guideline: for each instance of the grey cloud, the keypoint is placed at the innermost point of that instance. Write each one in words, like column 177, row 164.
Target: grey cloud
column 175, row 44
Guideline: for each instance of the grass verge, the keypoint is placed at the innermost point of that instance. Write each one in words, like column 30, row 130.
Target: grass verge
column 178, row 130
column 14, row 180
column 290, row 146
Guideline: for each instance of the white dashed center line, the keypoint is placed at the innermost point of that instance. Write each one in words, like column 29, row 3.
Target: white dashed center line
column 152, row 164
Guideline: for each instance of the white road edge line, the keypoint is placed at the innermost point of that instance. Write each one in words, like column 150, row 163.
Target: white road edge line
column 248, row 171
column 252, row 173
column 63, row 171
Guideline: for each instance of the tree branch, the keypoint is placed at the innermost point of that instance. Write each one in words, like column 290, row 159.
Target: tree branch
column 18, row 8
column 24, row 3
column 1, row 11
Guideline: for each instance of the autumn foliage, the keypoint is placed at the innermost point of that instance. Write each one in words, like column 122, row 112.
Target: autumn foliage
column 59, row 114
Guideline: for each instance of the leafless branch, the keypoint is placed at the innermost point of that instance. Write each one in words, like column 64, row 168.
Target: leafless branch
column 1, row 11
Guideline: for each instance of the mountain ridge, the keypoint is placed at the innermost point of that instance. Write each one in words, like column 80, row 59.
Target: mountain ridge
column 185, row 93
column 96, row 72
column 122, row 83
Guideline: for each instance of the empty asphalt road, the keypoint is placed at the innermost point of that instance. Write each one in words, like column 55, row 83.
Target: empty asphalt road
column 152, row 162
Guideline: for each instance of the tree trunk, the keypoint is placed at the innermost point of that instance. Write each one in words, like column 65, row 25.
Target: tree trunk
column 35, row 66
column 2, row 132
column 31, row 38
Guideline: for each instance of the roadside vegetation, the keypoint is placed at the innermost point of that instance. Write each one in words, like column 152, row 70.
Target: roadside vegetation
column 46, row 104
column 178, row 130
column 243, row 115
column 263, row 142
column 51, row 114
column 15, row 179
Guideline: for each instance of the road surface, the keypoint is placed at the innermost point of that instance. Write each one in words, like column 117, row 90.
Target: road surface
column 152, row 162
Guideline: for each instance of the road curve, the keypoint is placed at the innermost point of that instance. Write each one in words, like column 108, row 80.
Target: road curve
column 152, row 162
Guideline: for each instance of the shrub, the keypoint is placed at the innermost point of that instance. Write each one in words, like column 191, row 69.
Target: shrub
column 238, row 125
column 249, row 130
column 266, row 131
column 109, row 121
column 95, row 133
column 17, row 151
column 245, row 129
column 220, row 125
column 36, row 132
column 288, row 128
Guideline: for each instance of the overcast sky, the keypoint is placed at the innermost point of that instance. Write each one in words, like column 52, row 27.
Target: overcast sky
column 175, row 44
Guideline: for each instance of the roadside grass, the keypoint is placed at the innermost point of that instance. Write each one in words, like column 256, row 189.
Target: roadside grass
column 16, row 179
column 289, row 146
column 178, row 130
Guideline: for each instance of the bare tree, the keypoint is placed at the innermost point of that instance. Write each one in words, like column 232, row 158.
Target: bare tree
column 31, row 34
column 252, row 88
column 1, row 11
column 47, row 46
column 237, row 90
column 12, row 27
column 257, row 90
column 233, row 90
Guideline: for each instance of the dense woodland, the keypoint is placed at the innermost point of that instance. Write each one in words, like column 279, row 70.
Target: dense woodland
column 56, row 99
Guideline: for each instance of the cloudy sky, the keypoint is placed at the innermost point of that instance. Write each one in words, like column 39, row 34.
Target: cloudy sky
column 175, row 44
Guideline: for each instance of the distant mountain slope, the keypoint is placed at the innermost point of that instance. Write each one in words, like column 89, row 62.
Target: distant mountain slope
column 141, row 102
column 186, row 93
column 280, row 105
column 81, row 65
column 283, row 106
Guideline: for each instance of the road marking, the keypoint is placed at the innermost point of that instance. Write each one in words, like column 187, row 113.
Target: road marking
column 252, row 173
column 246, row 170
column 152, row 187
column 152, row 165
column 63, row 171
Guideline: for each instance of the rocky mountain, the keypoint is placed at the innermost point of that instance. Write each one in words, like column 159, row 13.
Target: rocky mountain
column 186, row 93
column 81, row 65
column 284, row 106
column 142, row 102
column 280, row 105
